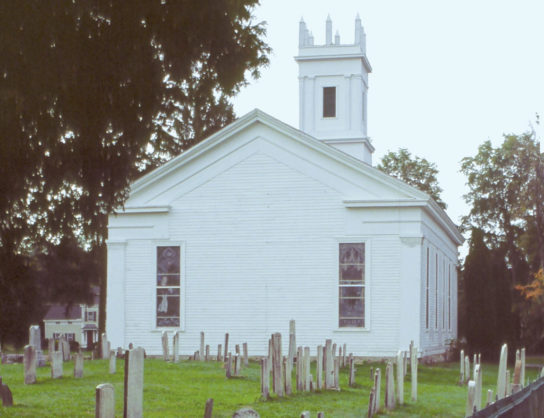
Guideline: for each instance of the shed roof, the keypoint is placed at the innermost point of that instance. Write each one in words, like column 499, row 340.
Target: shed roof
column 59, row 312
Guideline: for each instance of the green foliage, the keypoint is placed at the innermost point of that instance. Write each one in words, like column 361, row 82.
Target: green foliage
column 506, row 195
column 415, row 171
column 94, row 92
column 486, row 318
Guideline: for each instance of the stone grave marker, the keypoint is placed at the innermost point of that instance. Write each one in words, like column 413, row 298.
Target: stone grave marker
column 226, row 346
column 5, row 394
column 209, row 408
column 207, row 355
column 299, row 370
column 265, row 378
column 105, row 401
column 478, row 386
column 389, row 386
column 245, row 353
column 202, row 346
column 65, row 349
column 164, row 340
column 292, row 341
column 246, row 413
column 276, row 364
column 78, row 365
column 337, row 373
column 56, row 365
column 35, row 340
column 319, row 368
column 400, row 377
column 377, row 389
column 287, row 375
column 470, row 398
column 413, row 371
column 50, row 348
column 306, row 369
column 501, row 378
column 351, row 363
column 462, row 368
column 134, row 383
column 329, row 365
column 175, row 347
column 522, row 372
column 228, row 367
column 113, row 362
column 219, row 353
column 29, row 362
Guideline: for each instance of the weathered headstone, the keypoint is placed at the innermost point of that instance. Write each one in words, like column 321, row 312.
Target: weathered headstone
column 371, row 404
column 305, row 414
column 276, row 364
column 105, row 347
column 246, row 413
column 352, row 370
column 478, row 389
column 29, row 362
column 462, row 368
column 292, row 341
column 237, row 364
column 56, row 365
column 287, row 375
column 320, row 414
column 105, row 401
column 134, row 383
column 35, row 340
column 50, row 348
column 5, row 394
column 377, row 389
column 501, row 378
column 389, row 386
column 207, row 355
column 265, row 378
column 175, row 347
column 300, row 370
column 508, row 384
column 467, row 368
column 202, row 345
column 65, row 349
column 228, row 366
column 209, row 408
column 319, row 368
column 413, row 371
column 329, row 365
column 470, row 398
column 219, row 353
column 120, row 353
column 78, row 365
column 164, row 340
column 226, row 346
column 306, row 369
column 245, row 353
column 400, row 377
column 344, row 354
column 337, row 373
column 489, row 397
column 522, row 373
column 113, row 362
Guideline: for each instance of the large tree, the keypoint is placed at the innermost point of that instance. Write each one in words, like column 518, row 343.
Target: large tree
column 415, row 171
column 506, row 196
column 94, row 92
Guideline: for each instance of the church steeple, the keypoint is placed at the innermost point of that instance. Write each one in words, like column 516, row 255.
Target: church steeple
column 333, row 87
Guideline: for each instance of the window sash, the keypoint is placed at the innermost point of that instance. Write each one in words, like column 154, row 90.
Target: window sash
column 351, row 285
column 168, row 279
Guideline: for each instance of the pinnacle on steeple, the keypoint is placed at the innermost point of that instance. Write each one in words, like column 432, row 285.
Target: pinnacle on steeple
column 328, row 31
column 337, row 38
column 302, row 33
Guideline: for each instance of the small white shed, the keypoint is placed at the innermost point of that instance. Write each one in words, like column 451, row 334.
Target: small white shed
column 262, row 223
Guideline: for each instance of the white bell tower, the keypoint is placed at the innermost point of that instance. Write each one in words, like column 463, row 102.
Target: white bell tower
column 333, row 86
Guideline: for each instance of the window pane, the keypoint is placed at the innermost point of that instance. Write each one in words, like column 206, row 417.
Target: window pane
column 168, row 260
column 167, row 322
column 168, row 291
column 167, row 305
column 352, row 322
column 351, row 273
column 329, row 102
column 351, row 308
column 352, row 253
column 168, row 280
column 351, row 292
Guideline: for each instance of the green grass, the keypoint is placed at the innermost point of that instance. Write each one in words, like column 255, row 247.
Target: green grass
column 182, row 389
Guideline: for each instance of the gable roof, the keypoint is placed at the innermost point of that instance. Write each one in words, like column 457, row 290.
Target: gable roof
column 415, row 197
column 58, row 312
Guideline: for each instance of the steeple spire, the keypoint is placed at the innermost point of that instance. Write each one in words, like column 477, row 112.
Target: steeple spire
column 328, row 31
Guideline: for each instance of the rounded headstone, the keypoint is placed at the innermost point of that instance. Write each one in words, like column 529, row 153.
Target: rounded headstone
column 246, row 413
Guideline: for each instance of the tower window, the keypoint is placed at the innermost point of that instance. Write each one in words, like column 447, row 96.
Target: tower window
column 329, row 102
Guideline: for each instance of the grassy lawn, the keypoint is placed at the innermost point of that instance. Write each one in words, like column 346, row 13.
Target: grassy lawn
column 182, row 389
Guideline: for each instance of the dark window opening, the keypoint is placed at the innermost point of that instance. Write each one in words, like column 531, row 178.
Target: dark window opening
column 329, row 102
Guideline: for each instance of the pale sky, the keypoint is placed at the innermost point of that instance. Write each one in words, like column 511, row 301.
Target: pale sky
column 447, row 75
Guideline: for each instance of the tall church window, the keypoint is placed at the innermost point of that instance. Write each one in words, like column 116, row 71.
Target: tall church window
column 329, row 102
column 168, row 286
column 427, row 292
column 352, row 285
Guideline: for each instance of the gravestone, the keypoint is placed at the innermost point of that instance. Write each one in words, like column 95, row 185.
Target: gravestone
column 29, row 362
column 175, row 347
column 237, row 362
column 56, row 365
column 228, row 367
column 287, row 375
column 134, row 383
column 522, row 373
column 207, row 355
column 120, row 353
column 265, row 378
column 389, row 386
column 65, row 349
column 377, row 389
column 351, row 363
column 305, row 414
column 300, row 370
column 467, row 368
column 50, row 348
column 501, row 378
column 219, row 353
column 276, row 364
column 478, row 387
column 209, row 408
column 164, row 339
column 413, row 371
column 470, row 398
column 246, row 413
column 105, row 347
column 105, row 401
column 329, row 365
column 226, row 346
column 246, row 357
column 202, row 346
column 337, row 373
column 35, row 340
column 113, row 362
column 5, row 394
column 306, row 369
column 462, row 368
column 78, row 365
column 292, row 341
column 319, row 368
column 400, row 377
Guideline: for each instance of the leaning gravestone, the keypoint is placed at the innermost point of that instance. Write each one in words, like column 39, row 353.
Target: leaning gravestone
column 175, row 347
column 5, row 394
column 113, row 362
column 30, row 364
column 65, row 349
column 78, row 365
column 105, row 401
column 56, row 365
column 501, row 378
column 134, row 383
column 35, row 340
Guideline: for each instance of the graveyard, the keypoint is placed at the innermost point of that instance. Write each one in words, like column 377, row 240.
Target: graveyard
column 182, row 388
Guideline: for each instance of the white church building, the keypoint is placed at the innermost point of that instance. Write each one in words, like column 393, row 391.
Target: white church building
column 262, row 223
